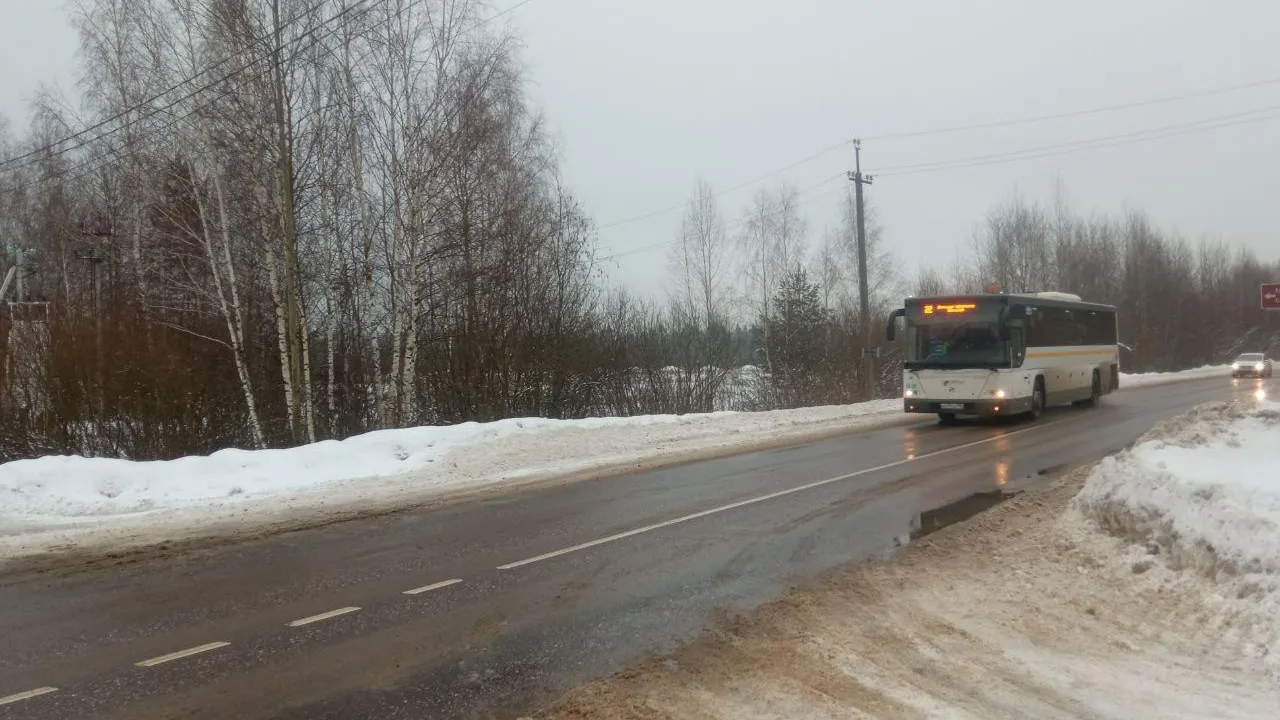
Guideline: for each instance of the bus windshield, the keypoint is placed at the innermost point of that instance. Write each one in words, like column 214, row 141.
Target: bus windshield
column 955, row 334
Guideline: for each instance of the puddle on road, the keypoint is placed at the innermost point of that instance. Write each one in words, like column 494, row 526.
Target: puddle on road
column 933, row 520
column 927, row 522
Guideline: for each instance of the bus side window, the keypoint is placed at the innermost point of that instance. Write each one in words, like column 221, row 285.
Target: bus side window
column 1017, row 342
column 1071, row 329
column 1036, row 333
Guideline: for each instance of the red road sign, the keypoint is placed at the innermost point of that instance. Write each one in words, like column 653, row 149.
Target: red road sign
column 1271, row 296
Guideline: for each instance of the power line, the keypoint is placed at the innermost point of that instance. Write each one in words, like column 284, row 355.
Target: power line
column 1028, row 153
column 961, row 128
column 739, row 186
column 737, row 224
column 1077, row 113
column 1085, row 145
column 508, row 11
column 1073, row 143
column 1150, row 134
column 147, row 103
column 170, row 123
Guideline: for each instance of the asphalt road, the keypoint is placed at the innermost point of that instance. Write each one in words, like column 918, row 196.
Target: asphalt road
column 491, row 608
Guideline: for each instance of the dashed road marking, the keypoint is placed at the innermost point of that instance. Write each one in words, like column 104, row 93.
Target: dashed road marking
column 182, row 654
column 323, row 616
column 762, row 498
column 19, row 697
column 434, row 586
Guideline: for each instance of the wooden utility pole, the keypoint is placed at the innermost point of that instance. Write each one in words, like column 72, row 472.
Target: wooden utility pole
column 95, row 258
column 864, row 292
column 20, row 277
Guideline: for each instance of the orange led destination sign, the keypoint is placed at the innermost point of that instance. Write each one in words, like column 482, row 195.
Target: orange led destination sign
column 948, row 308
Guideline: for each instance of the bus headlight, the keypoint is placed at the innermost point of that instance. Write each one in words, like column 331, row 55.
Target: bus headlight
column 908, row 393
column 999, row 394
column 1235, row 366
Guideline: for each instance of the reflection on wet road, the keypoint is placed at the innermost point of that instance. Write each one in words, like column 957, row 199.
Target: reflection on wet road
column 934, row 519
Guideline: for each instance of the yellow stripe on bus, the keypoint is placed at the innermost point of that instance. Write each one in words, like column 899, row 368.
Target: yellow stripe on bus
column 1068, row 353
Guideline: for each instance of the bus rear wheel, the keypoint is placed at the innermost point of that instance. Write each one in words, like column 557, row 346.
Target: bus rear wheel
column 1095, row 392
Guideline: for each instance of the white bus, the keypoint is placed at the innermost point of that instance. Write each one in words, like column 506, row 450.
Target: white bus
column 1001, row 354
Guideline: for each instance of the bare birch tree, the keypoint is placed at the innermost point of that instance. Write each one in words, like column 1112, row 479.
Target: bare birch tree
column 699, row 260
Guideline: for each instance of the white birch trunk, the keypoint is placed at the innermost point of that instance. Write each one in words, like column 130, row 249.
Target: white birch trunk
column 282, row 332
column 231, row 311
column 308, row 404
column 331, row 333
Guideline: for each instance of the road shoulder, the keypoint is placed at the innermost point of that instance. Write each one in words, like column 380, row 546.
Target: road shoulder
column 1025, row 610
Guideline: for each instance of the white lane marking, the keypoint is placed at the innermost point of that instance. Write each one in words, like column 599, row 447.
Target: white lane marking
column 762, row 498
column 182, row 654
column 434, row 586
column 27, row 695
column 323, row 616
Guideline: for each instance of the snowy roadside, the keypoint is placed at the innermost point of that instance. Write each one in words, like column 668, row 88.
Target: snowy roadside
column 1145, row 586
column 1203, row 496
column 59, row 504
column 55, row 504
column 1160, row 378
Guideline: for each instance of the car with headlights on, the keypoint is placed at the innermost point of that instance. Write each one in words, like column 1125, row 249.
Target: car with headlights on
column 1251, row 365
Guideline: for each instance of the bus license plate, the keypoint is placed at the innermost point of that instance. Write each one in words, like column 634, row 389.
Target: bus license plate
column 952, row 406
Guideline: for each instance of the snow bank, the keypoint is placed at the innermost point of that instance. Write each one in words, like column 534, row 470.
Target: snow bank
column 73, row 486
column 1204, row 494
column 1142, row 379
column 53, row 500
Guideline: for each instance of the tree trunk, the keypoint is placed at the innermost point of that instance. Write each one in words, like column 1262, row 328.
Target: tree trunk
column 300, row 422
column 304, row 337
column 282, row 332
column 231, row 312
column 330, row 336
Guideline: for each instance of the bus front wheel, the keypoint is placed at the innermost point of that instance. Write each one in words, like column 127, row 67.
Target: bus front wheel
column 1037, row 401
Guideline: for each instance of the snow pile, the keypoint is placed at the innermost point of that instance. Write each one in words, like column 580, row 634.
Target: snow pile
column 54, row 501
column 1160, row 378
column 1202, row 497
column 380, row 470
column 73, row 486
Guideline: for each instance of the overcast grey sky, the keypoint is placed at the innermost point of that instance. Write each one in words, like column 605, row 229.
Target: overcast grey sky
column 646, row 94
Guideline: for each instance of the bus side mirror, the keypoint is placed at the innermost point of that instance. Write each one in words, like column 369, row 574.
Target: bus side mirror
column 891, row 332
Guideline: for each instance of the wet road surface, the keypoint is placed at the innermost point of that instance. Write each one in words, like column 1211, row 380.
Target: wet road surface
column 491, row 608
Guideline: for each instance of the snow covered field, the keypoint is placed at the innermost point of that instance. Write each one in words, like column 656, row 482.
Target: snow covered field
column 61, row 503
column 1146, row 586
